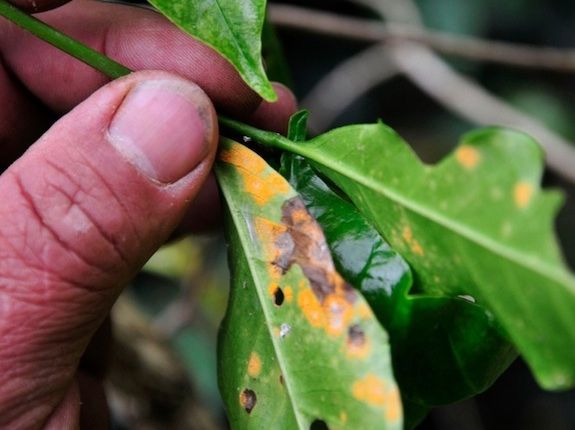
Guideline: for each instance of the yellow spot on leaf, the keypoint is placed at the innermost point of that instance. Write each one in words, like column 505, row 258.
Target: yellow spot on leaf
column 288, row 294
column 413, row 244
column 311, row 308
column 268, row 232
column 260, row 186
column 364, row 311
column 522, row 194
column 343, row 416
column 467, row 156
column 254, row 365
column 376, row 392
column 272, row 290
column 242, row 157
column 333, row 314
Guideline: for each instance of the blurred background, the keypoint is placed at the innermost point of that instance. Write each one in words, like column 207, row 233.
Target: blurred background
column 164, row 372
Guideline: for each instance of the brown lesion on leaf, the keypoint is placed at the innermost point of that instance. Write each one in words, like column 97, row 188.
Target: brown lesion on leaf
column 358, row 345
column 330, row 302
column 248, row 400
column 277, row 294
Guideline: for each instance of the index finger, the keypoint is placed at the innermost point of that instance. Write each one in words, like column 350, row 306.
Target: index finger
column 38, row 5
column 137, row 38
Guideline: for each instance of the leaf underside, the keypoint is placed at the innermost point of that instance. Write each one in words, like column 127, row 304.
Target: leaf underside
column 298, row 347
column 475, row 224
column 233, row 28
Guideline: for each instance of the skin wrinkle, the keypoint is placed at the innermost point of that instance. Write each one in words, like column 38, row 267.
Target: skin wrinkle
column 40, row 218
column 131, row 223
column 74, row 202
column 47, row 279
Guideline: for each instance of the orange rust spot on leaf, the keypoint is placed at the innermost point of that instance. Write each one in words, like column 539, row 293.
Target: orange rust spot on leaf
column 242, row 157
column 413, row 243
column 251, row 167
column 467, row 156
column 262, row 190
column 376, row 392
column 254, row 365
column 364, row 311
column 522, row 194
column 334, row 314
column 311, row 308
column 288, row 294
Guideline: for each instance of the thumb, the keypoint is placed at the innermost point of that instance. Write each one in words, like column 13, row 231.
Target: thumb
column 81, row 211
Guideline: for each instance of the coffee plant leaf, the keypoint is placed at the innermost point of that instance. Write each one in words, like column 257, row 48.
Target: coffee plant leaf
column 233, row 28
column 299, row 347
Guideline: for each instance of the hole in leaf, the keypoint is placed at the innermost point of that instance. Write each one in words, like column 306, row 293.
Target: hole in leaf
column 355, row 336
column 278, row 296
column 248, row 400
column 318, row 425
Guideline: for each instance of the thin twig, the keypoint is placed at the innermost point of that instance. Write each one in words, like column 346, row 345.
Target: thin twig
column 466, row 98
column 366, row 30
column 346, row 83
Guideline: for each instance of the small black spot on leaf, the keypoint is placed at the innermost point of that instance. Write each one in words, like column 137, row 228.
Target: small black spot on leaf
column 248, row 400
column 356, row 336
column 281, row 379
column 278, row 296
column 318, row 425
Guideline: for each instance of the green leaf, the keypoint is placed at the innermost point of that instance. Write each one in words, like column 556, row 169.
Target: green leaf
column 444, row 349
column 298, row 347
column 297, row 129
column 475, row 224
column 231, row 27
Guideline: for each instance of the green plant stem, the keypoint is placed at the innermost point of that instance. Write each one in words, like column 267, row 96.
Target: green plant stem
column 115, row 70
column 63, row 42
column 266, row 138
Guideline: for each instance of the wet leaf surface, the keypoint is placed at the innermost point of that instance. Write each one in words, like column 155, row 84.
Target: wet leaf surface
column 296, row 335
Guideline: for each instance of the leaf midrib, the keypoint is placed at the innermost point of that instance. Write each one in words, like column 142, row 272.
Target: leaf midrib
column 238, row 41
column 534, row 264
column 239, row 220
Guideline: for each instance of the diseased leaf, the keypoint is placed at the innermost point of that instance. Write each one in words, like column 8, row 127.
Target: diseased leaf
column 233, row 28
column 298, row 345
column 476, row 224
column 444, row 349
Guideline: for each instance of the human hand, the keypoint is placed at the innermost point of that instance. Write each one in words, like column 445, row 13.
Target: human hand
column 100, row 191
